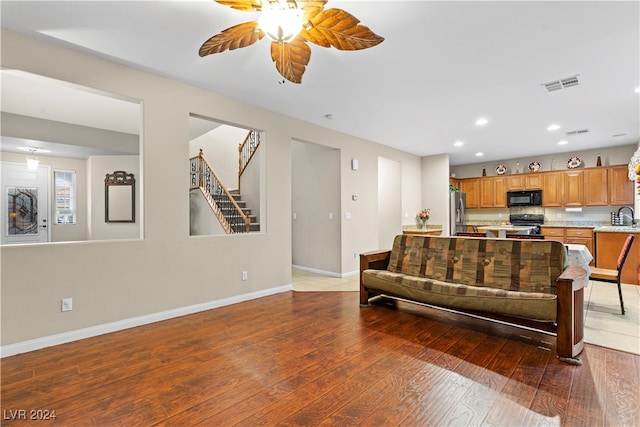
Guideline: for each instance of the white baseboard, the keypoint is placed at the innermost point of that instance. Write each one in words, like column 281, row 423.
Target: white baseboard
column 65, row 337
column 325, row 273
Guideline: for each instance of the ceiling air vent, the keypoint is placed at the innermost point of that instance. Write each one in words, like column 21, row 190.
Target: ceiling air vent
column 578, row 132
column 561, row 83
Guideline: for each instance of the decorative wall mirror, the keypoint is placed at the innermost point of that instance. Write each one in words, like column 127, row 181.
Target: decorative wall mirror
column 119, row 197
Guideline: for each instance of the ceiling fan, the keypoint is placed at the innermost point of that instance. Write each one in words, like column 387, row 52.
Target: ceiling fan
column 290, row 25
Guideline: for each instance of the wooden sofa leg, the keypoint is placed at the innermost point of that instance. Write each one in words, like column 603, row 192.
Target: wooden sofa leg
column 364, row 298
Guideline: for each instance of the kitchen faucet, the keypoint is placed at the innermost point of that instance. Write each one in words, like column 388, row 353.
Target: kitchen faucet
column 632, row 217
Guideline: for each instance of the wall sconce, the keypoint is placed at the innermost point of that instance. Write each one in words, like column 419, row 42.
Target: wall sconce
column 354, row 164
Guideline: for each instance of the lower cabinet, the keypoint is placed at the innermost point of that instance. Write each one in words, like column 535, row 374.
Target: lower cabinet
column 570, row 235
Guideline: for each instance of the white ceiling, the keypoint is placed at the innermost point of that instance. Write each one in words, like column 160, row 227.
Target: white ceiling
column 442, row 65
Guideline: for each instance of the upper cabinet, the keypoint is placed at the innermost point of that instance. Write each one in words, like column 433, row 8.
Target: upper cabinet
column 532, row 181
column 595, row 187
column 599, row 186
column 493, row 192
column 471, row 188
column 553, row 185
column 621, row 189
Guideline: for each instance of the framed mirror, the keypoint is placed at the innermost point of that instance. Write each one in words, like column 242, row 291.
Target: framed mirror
column 119, row 197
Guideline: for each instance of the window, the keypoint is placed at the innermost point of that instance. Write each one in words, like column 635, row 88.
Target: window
column 65, row 196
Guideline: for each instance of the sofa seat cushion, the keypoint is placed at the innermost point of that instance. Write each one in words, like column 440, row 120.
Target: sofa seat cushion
column 538, row 306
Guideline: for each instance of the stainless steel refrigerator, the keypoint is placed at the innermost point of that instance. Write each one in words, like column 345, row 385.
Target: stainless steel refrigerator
column 457, row 212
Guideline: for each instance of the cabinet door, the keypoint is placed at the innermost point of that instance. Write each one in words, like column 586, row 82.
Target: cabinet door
column 552, row 189
column 499, row 193
column 621, row 189
column 553, row 233
column 574, row 188
column 595, row 187
column 533, row 181
column 515, row 182
column 492, row 193
column 471, row 188
column 580, row 236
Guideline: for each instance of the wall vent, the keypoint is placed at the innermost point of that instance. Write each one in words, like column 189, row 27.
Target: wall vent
column 577, row 132
column 561, row 83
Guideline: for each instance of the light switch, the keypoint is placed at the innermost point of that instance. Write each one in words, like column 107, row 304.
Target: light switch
column 330, row 215
column 347, row 215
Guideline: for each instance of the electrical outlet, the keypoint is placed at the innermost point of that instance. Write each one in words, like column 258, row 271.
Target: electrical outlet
column 355, row 255
column 245, row 275
column 67, row 304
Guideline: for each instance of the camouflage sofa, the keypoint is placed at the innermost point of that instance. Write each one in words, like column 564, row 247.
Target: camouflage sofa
column 524, row 282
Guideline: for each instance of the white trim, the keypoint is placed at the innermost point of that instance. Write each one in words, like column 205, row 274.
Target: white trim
column 65, row 337
column 325, row 273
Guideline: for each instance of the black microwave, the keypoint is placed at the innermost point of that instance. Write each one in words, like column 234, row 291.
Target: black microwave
column 524, row 198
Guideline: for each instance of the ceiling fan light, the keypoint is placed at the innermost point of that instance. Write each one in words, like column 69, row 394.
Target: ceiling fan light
column 281, row 24
column 32, row 162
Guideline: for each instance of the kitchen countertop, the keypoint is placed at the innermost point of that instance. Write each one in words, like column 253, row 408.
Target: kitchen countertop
column 617, row 229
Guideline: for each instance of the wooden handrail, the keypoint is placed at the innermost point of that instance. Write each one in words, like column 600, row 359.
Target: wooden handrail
column 205, row 178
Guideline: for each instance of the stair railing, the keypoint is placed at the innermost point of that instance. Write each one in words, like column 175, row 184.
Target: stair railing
column 246, row 150
column 203, row 177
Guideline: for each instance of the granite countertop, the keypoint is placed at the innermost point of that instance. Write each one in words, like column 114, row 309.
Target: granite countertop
column 596, row 226
column 617, row 229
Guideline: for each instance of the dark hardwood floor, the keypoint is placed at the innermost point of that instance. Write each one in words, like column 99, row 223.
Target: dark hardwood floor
column 319, row 359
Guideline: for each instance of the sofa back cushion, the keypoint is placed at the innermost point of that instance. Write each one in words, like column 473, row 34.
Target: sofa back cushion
column 509, row 264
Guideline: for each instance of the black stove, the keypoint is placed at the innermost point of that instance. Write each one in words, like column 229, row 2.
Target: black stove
column 528, row 219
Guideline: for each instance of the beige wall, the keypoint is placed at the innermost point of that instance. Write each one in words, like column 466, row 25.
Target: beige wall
column 112, row 281
column 315, row 189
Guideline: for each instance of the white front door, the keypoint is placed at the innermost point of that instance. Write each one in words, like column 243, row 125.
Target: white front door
column 25, row 204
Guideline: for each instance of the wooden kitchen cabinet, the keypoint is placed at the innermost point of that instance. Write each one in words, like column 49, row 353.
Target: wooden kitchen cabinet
column 579, row 236
column 595, row 187
column 570, row 235
column 493, row 193
column 574, row 188
column 471, row 187
column 553, row 233
column 621, row 189
column 553, row 189
column 530, row 181
column 608, row 247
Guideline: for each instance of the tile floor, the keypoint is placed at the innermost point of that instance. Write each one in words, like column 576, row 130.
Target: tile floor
column 604, row 323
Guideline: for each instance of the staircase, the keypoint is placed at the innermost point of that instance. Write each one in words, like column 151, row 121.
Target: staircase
column 229, row 213
column 229, row 208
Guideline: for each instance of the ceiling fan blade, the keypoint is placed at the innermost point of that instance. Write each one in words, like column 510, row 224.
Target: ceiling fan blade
column 245, row 5
column 340, row 29
column 291, row 58
column 241, row 35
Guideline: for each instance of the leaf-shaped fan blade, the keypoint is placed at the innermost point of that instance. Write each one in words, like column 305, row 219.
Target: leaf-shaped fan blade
column 245, row 5
column 241, row 35
column 291, row 59
column 340, row 29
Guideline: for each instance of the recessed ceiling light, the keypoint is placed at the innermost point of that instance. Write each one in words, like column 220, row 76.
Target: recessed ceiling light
column 479, row 154
column 637, row 90
column 482, row 121
column 563, row 142
column 458, row 143
column 553, row 127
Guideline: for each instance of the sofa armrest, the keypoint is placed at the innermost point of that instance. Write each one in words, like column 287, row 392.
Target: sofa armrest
column 377, row 260
column 570, row 312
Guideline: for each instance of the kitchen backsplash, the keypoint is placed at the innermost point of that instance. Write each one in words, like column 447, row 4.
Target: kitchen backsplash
column 582, row 216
